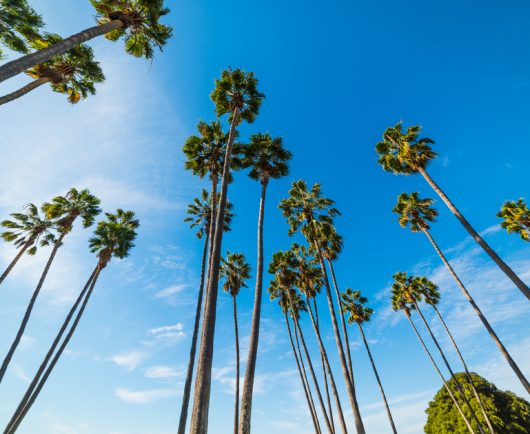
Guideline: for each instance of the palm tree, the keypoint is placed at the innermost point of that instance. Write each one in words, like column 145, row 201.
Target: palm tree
column 306, row 210
column 405, row 153
column 235, row 270
column 26, row 231
column 19, row 23
column 354, row 306
column 134, row 21
column 235, row 94
column 516, row 218
column 400, row 301
column 64, row 210
column 431, row 296
column 417, row 213
column 200, row 216
column 113, row 237
column 267, row 158
column 74, row 73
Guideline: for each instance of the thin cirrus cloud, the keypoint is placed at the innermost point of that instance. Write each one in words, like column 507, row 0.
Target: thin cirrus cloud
column 162, row 372
column 129, row 360
column 143, row 396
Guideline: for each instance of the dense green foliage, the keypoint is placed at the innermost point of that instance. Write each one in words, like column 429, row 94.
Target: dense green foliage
column 19, row 23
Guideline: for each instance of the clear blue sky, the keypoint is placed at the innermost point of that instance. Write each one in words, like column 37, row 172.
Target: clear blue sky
column 336, row 75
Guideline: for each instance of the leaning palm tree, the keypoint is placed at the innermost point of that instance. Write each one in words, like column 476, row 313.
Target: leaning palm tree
column 306, row 210
column 267, row 158
column 354, row 306
column 237, row 95
column 73, row 74
column 64, row 210
column 235, row 271
column 113, row 237
column 405, row 153
column 26, row 231
column 516, row 218
column 200, row 217
column 400, row 301
column 417, row 213
column 134, row 21
column 19, row 23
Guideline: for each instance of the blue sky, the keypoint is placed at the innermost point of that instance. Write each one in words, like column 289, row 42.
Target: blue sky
column 335, row 75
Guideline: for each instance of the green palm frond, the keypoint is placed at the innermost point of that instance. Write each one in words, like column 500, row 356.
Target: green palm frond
column 266, row 157
column 19, row 25
column 235, row 271
column 516, row 218
column 353, row 303
column 415, row 212
column 200, row 214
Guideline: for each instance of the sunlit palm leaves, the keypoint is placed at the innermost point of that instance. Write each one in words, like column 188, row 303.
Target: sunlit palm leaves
column 516, row 218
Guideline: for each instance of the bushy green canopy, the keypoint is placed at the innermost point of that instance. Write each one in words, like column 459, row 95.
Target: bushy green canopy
column 235, row 270
column 509, row 413
column 266, row 157
column 516, row 218
column 19, row 25
column 414, row 211
column 200, row 214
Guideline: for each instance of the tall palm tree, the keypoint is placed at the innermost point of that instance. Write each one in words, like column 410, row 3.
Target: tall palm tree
column 354, row 306
column 19, row 23
column 134, row 21
column 26, row 231
column 113, row 237
column 74, row 73
column 200, row 217
column 305, row 209
column 405, row 153
column 516, row 218
column 431, row 296
column 64, row 210
column 267, row 158
column 235, row 271
column 400, row 301
column 417, row 213
column 237, row 95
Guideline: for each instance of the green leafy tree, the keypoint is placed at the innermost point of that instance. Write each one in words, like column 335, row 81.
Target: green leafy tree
column 26, row 231
column 73, row 74
column 267, row 159
column 134, row 21
column 236, row 95
column 417, row 214
column 404, row 152
column 509, row 413
column 516, row 218
column 19, row 23
column 113, row 238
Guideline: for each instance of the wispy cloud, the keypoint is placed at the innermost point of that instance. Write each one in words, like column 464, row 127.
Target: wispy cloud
column 162, row 372
column 143, row 396
column 170, row 291
column 129, row 361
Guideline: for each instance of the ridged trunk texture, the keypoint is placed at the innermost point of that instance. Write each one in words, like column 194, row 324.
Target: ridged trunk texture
column 14, row 262
column 236, row 405
column 23, row 90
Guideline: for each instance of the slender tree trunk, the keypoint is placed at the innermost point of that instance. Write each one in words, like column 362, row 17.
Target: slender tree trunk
column 213, row 218
column 468, row 374
column 201, row 402
column 23, row 90
column 469, row 427
column 10, row 69
column 236, row 406
column 14, row 262
column 56, row 358
column 193, row 349
column 500, row 263
column 306, row 392
column 27, row 314
column 50, row 352
column 313, row 376
column 341, row 311
column 447, row 364
column 388, row 412
column 481, row 316
column 327, row 366
column 248, row 386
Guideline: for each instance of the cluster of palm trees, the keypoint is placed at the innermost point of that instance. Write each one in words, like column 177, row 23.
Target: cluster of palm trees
column 48, row 226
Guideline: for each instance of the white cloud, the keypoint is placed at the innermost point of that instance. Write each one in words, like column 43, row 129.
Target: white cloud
column 129, row 360
column 143, row 396
column 162, row 372
column 170, row 291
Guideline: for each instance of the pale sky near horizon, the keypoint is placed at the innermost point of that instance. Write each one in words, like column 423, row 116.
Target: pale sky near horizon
column 335, row 76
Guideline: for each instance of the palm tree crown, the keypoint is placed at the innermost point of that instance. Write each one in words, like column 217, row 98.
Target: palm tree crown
column 405, row 292
column 516, row 218
column 200, row 214
column 266, row 157
column 19, row 24
column 354, row 304
column 415, row 212
column 235, row 270
column 309, row 275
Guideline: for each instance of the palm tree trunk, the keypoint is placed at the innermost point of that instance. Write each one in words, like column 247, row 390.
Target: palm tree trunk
column 50, row 352
column 10, row 69
column 327, row 366
column 193, row 349
column 42, row 382
column 500, row 263
column 457, row 383
column 341, row 311
column 236, row 406
column 213, row 217
column 313, row 376
column 23, row 90
column 14, row 261
column 469, row 427
column 306, row 392
column 27, row 314
column 481, row 316
column 388, row 412
column 248, row 385
column 468, row 375
column 201, row 402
